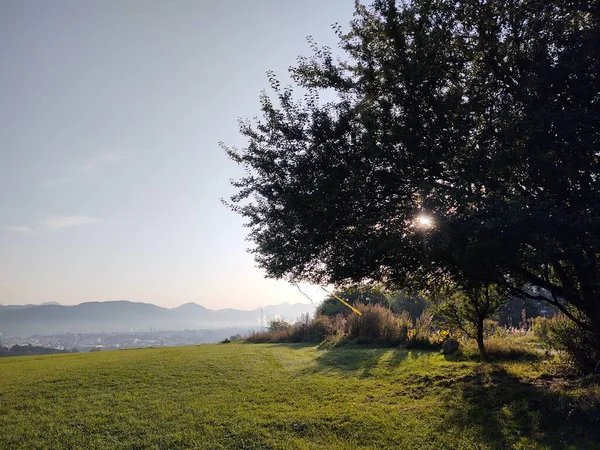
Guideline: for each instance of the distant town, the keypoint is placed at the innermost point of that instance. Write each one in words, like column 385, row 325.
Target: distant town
column 85, row 342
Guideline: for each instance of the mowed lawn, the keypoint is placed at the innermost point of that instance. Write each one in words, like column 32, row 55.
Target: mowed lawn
column 287, row 396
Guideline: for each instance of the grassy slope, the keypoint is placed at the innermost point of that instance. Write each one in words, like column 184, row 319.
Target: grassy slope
column 270, row 396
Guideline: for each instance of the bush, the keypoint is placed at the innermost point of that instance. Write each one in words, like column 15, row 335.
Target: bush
column 491, row 328
column 576, row 344
column 438, row 337
column 378, row 324
column 233, row 338
column 278, row 324
column 258, row 337
column 305, row 329
column 261, row 337
column 303, row 324
column 419, row 336
column 279, row 331
column 324, row 327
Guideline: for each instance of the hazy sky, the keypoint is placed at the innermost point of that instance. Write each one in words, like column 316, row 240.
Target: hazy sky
column 110, row 169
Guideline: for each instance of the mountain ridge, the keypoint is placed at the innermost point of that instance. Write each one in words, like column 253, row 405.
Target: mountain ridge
column 125, row 315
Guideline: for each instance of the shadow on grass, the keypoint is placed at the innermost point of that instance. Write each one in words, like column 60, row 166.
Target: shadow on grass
column 502, row 411
column 290, row 345
column 362, row 361
column 483, row 405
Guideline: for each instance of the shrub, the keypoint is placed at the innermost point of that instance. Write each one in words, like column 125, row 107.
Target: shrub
column 283, row 335
column 232, row 338
column 367, row 325
column 305, row 329
column 438, row 337
column 300, row 330
column 303, row 324
column 576, row 344
column 323, row 327
column 280, row 335
column 336, row 329
column 259, row 337
column 378, row 324
column 491, row 328
column 418, row 337
column 424, row 323
column 278, row 324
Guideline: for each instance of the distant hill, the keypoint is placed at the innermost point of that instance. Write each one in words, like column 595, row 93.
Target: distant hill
column 122, row 315
column 7, row 307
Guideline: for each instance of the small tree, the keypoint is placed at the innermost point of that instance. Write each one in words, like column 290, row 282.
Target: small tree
column 468, row 307
column 279, row 324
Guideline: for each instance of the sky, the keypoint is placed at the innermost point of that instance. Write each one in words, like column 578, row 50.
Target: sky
column 110, row 170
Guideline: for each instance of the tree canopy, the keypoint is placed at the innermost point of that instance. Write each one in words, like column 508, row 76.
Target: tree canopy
column 482, row 116
column 372, row 295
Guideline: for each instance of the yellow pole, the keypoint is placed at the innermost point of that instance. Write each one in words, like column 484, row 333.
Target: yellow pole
column 343, row 301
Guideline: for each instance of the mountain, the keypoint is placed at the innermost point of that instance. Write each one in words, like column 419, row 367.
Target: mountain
column 190, row 308
column 7, row 307
column 122, row 315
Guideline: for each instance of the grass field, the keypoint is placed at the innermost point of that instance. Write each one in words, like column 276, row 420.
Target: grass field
column 294, row 396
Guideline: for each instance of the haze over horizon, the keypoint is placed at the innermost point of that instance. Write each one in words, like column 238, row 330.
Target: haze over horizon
column 110, row 170
column 242, row 308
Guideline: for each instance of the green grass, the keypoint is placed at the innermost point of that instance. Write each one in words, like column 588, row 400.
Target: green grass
column 287, row 396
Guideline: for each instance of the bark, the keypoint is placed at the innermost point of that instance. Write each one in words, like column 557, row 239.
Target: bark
column 480, row 342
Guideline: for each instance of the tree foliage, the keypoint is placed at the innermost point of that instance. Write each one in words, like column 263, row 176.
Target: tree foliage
column 483, row 115
column 365, row 295
column 279, row 324
column 415, row 306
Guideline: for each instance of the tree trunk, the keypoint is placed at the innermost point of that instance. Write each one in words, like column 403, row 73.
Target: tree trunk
column 596, row 346
column 480, row 343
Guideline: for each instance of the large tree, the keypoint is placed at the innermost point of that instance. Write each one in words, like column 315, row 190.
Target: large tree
column 482, row 115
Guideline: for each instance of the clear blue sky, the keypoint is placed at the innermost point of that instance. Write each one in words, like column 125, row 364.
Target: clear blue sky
column 110, row 169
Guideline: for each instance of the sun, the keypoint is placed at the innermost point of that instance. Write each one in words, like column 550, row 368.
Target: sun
column 424, row 221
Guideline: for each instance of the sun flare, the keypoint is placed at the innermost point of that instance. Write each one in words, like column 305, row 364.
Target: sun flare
column 424, row 222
